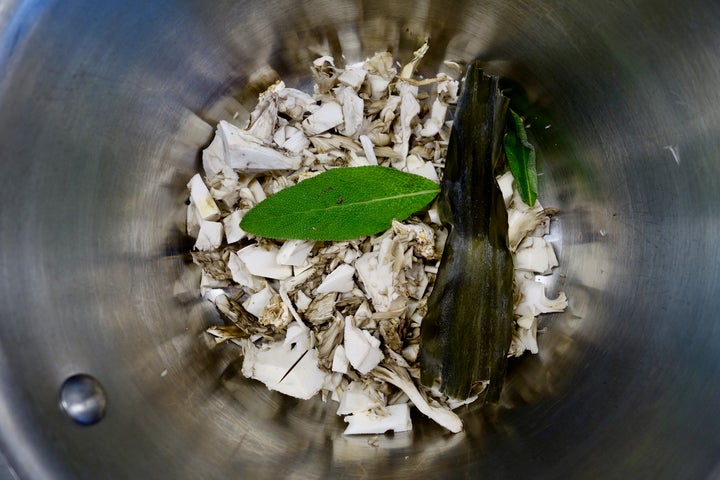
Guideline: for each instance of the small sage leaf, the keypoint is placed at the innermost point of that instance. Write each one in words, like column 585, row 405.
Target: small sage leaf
column 521, row 159
column 341, row 204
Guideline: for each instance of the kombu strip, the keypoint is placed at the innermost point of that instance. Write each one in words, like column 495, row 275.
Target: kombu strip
column 467, row 330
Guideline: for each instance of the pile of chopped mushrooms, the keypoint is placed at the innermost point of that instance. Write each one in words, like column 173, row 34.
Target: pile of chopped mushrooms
column 342, row 319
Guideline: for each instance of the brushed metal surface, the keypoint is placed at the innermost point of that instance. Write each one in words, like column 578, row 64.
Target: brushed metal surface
column 104, row 107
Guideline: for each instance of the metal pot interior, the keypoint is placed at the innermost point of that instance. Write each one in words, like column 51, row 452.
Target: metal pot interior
column 104, row 108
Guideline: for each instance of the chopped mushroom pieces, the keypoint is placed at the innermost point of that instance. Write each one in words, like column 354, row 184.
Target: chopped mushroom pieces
column 343, row 318
column 209, row 236
column 281, row 367
column 339, row 280
column 247, row 153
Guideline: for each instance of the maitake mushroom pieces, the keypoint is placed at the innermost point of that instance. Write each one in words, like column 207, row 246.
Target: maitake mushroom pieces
column 344, row 318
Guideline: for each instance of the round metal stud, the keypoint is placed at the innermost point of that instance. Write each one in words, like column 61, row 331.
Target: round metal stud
column 83, row 399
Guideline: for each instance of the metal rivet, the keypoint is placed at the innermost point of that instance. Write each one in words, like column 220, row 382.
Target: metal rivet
column 83, row 399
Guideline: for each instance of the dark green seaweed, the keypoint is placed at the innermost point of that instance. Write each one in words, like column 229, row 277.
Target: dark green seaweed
column 466, row 332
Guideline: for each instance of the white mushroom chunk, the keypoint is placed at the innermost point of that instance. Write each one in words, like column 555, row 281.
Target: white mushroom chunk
column 401, row 379
column 435, row 121
column 379, row 270
column 257, row 302
column 411, row 352
column 295, row 252
column 257, row 191
column 329, row 115
column 301, row 275
column 263, row 262
column 533, row 300
column 353, row 76
column 418, row 166
column 241, row 275
column 378, row 86
column 448, row 90
column 352, row 110
column 389, row 111
column 524, row 339
column 339, row 280
column 302, row 301
column 226, row 187
column 409, row 109
column 505, row 182
column 522, row 222
column 288, row 370
column 321, row 309
column 298, row 334
column 331, row 146
column 333, row 383
column 434, row 215
column 360, row 397
column 294, row 103
column 369, row 149
column 210, row 236
column 296, row 141
column 264, row 117
column 534, row 254
column 247, row 153
column 362, row 349
column 212, row 158
column 392, row 417
column 200, row 195
column 340, row 361
column 231, row 224
column 291, row 139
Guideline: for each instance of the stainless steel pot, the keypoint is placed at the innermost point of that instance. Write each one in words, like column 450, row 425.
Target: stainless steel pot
column 104, row 107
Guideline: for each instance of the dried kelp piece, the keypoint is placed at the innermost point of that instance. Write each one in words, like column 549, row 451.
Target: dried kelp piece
column 468, row 328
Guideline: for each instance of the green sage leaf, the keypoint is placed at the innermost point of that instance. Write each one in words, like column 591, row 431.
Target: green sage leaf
column 520, row 155
column 341, row 204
